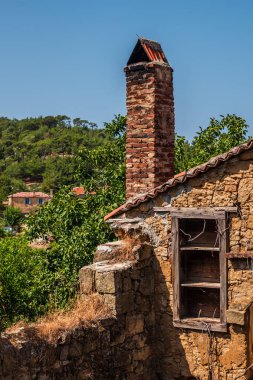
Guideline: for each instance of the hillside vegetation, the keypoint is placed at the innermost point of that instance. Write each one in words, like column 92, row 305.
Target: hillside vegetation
column 43, row 150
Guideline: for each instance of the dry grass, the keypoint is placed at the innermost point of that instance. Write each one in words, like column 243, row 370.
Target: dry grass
column 84, row 312
column 126, row 251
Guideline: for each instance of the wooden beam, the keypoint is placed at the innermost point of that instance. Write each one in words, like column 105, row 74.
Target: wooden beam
column 203, row 213
column 223, row 233
column 211, row 285
column 124, row 220
column 204, row 325
column 185, row 209
column 176, row 270
column 199, row 248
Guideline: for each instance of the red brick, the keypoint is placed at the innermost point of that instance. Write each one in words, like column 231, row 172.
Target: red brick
column 150, row 127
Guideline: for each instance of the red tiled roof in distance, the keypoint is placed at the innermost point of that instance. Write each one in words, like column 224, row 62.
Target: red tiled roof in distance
column 181, row 178
column 147, row 51
column 78, row 190
column 81, row 191
column 30, row 194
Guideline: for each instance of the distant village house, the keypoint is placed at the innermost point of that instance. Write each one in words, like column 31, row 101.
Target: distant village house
column 27, row 200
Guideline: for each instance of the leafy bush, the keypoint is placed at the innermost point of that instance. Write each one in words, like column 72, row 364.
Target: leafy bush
column 26, row 281
column 13, row 217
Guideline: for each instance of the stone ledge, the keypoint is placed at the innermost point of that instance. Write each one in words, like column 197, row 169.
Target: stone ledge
column 103, row 277
column 236, row 317
column 238, row 314
column 239, row 255
column 107, row 251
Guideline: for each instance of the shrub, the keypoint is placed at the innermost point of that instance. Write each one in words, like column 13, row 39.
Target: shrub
column 25, row 281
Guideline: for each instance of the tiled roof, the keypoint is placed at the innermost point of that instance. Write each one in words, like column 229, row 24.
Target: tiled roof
column 30, row 194
column 78, row 190
column 181, row 178
column 152, row 51
column 81, row 191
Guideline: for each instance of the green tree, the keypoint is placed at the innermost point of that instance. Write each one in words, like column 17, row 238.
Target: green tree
column 77, row 228
column 26, row 282
column 28, row 144
column 13, row 217
column 77, row 224
column 220, row 136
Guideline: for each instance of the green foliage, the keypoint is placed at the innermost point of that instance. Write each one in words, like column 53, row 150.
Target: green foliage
column 25, row 281
column 102, row 169
column 12, row 217
column 42, row 149
column 218, row 137
column 76, row 224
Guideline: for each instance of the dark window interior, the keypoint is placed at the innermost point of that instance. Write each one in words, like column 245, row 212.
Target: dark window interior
column 200, row 303
column 202, row 266
column 199, row 268
column 198, row 232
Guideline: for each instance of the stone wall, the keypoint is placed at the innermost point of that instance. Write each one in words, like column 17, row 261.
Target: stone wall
column 128, row 288
column 85, row 353
column 185, row 353
column 120, row 347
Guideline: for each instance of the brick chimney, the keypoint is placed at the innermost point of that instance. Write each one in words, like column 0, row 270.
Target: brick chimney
column 150, row 118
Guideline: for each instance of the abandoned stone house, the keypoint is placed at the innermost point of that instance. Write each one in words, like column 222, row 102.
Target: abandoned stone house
column 185, row 304
column 179, row 278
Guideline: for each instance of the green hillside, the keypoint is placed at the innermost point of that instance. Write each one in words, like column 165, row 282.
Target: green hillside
column 43, row 150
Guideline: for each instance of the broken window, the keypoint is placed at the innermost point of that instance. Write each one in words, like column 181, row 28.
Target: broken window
column 199, row 245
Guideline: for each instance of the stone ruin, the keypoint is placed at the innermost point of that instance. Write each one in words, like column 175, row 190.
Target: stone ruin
column 179, row 278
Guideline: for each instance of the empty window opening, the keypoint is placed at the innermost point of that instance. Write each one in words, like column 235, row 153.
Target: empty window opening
column 199, row 271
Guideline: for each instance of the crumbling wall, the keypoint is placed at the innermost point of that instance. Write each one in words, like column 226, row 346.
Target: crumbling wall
column 120, row 347
column 85, row 353
column 185, row 353
column 128, row 288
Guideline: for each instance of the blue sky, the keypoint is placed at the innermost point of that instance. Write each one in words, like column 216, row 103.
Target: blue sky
column 67, row 56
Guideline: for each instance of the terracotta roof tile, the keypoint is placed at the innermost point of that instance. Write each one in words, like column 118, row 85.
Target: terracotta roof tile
column 153, row 50
column 78, row 190
column 181, row 178
column 147, row 50
column 30, row 194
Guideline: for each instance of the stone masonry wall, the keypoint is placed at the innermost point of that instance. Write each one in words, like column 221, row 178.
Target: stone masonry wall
column 85, row 354
column 120, row 347
column 150, row 126
column 186, row 353
column 128, row 288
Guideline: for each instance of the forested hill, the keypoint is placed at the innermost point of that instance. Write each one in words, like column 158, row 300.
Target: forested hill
column 43, row 150
column 54, row 151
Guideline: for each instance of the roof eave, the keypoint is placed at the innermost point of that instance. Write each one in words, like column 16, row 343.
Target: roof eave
column 181, row 178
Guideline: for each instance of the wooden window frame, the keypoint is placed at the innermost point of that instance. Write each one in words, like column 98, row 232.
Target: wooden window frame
column 202, row 324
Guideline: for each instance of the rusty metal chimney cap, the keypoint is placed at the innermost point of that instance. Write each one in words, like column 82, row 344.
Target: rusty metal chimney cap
column 147, row 50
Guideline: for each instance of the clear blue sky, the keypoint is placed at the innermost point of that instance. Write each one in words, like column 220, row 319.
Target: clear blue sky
column 67, row 56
